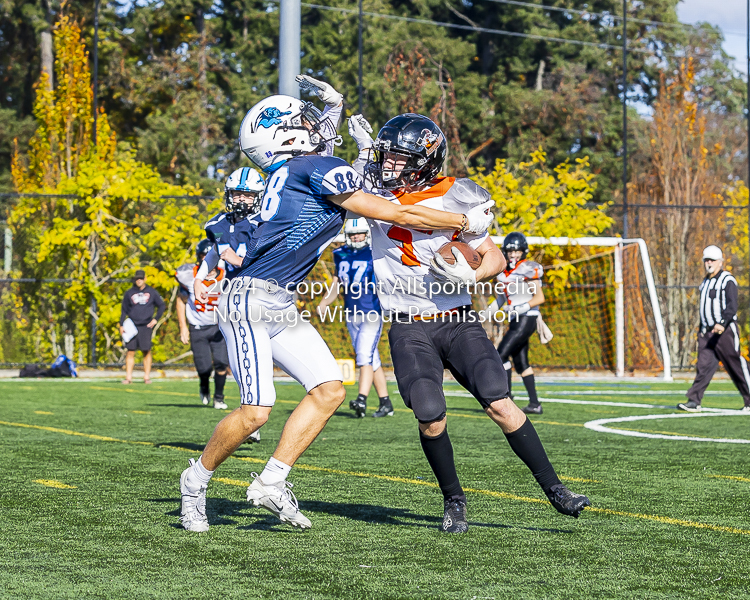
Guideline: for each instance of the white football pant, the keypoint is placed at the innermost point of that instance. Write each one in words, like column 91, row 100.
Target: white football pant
column 263, row 328
column 365, row 329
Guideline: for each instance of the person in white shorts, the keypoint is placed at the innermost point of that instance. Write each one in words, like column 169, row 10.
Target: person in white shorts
column 306, row 196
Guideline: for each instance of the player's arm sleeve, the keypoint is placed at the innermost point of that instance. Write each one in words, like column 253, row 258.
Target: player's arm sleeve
column 160, row 306
column 125, row 311
column 340, row 179
column 360, row 162
column 730, row 294
column 333, row 114
column 210, row 262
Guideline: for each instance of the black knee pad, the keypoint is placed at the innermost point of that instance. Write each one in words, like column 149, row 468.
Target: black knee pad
column 426, row 400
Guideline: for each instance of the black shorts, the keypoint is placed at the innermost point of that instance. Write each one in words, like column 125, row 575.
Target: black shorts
column 515, row 342
column 142, row 340
column 421, row 350
column 209, row 348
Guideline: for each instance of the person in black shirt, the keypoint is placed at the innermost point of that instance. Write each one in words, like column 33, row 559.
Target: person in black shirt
column 138, row 305
column 719, row 336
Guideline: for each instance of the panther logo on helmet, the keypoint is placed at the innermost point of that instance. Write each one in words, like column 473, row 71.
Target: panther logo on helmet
column 270, row 117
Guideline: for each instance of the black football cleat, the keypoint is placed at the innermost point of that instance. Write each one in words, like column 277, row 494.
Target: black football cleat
column 359, row 407
column 384, row 410
column 567, row 502
column 454, row 518
column 532, row 409
column 691, row 406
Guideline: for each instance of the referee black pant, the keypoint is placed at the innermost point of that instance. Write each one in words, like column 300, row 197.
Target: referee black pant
column 713, row 348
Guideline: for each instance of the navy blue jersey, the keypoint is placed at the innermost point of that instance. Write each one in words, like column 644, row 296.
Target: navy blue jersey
column 354, row 270
column 296, row 222
column 224, row 234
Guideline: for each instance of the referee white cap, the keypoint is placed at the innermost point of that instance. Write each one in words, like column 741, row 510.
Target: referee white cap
column 713, row 253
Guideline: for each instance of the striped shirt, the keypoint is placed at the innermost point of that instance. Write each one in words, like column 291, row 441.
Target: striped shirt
column 718, row 300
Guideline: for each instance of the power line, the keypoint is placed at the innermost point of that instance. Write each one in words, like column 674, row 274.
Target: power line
column 478, row 29
column 607, row 15
column 467, row 27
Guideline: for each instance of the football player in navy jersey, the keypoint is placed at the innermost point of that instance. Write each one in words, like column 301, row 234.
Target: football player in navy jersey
column 354, row 272
column 231, row 229
column 306, row 197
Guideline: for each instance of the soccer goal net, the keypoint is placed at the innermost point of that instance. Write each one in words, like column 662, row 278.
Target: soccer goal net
column 601, row 306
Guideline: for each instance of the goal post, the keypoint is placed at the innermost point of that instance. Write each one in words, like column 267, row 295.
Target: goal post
column 618, row 245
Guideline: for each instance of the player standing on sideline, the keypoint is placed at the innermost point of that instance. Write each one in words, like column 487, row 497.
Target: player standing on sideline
column 138, row 305
column 302, row 211
column 198, row 327
column 353, row 263
column 436, row 329
column 719, row 336
column 522, row 284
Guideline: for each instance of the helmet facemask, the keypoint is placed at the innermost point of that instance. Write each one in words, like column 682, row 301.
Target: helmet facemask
column 514, row 242
column 241, row 204
column 311, row 122
column 395, row 170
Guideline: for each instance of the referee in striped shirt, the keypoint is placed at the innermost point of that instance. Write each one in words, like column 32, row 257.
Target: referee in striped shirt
column 719, row 338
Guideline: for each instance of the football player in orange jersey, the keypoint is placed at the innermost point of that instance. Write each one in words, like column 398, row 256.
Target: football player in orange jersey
column 198, row 327
column 522, row 285
column 433, row 324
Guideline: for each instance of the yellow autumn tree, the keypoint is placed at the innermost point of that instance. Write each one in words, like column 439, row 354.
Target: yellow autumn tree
column 88, row 218
column 538, row 200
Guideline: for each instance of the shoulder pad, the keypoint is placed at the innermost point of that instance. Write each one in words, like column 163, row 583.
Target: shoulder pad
column 464, row 194
column 340, row 179
column 529, row 269
column 184, row 275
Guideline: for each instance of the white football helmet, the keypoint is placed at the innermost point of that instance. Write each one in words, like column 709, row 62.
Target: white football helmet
column 281, row 127
column 246, row 180
column 354, row 226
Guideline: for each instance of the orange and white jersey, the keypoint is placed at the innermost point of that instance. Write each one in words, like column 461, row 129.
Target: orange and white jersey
column 199, row 314
column 401, row 256
column 521, row 282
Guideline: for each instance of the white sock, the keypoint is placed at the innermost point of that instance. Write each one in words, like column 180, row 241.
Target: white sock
column 275, row 472
column 198, row 476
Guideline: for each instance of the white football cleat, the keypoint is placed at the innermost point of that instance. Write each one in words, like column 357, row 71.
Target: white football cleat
column 278, row 499
column 255, row 436
column 193, row 510
column 745, row 408
column 205, row 398
column 219, row 403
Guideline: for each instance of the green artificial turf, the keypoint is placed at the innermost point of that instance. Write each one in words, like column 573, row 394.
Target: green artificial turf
column 675, row 521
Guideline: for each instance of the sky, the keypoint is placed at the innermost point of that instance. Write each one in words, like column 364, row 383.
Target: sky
column 729, row 15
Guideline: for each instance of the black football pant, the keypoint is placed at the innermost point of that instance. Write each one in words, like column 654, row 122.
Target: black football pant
column 515, row 342
column 713, row 348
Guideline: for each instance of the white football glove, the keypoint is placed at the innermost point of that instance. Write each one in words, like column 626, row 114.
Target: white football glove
column 321, row 89
column 520, row 309
column 479, row 218
column 360, row 130
column 459, row 272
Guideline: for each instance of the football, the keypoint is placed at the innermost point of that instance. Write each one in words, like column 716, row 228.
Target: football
column 472, row 256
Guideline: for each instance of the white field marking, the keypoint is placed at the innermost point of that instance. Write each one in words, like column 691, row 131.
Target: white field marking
column 462, row 394
column 599, row 425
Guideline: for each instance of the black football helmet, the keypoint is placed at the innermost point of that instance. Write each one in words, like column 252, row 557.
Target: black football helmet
column 418, row 139
column 515, row 241
column 201, row 250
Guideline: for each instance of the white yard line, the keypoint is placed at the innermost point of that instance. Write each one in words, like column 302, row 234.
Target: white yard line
column 600, row 426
